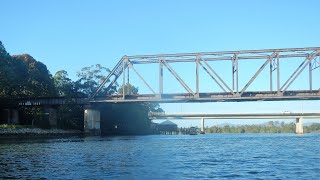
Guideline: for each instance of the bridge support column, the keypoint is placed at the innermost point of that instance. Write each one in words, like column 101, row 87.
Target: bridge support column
column 9, row 116
column 52, row 116
column 92, row 121
column 299, row 125
column 202, row 126
column 14, row 119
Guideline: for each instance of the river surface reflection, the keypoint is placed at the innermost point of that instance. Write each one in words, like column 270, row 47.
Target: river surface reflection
column 221, row 156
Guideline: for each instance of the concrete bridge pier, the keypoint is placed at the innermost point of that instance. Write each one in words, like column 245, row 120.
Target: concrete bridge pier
column 299, row 125
column 202, row 126
column 92, row 121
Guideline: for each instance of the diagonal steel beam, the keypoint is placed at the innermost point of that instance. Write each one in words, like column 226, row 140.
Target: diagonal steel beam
column 298, row 71
column 116, row 71
column 216, row 74
column 257, row 73
column 215, row 80
column 145, row 82
column 293, row 74
column 185, row 86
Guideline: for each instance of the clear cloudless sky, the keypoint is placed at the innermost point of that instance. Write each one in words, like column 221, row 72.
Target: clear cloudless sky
column 73, row 34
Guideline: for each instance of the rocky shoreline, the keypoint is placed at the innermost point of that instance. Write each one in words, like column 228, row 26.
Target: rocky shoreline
column 37, row 132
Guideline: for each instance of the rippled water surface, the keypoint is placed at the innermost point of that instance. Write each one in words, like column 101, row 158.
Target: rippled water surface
column 221, row 156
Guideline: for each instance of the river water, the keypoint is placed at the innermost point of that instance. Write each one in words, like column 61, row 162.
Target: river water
column 210, row 156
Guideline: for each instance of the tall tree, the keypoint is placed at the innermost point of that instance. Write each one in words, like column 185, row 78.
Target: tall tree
column 70, row 114
column 91, row 77
column 6, row 74
column 39, row 81
column 64, row 85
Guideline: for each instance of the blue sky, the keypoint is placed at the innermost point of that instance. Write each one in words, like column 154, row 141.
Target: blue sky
column 73, row 34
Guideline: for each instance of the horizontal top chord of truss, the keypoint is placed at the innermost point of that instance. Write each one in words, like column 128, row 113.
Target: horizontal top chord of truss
column 223, row 55
column 271, row 57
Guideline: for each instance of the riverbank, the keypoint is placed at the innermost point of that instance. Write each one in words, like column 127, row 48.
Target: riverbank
column 36, row 132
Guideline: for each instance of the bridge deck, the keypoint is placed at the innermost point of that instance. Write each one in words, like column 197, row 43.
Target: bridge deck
column 213, row 97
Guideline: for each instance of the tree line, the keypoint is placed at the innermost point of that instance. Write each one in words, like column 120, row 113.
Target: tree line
column 270, row 127
column 23, row 76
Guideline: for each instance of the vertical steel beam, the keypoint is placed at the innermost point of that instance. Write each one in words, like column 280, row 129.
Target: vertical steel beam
column 128, row 81
column 160, row 78
column 310, row 75
column 233, row 67
column 235, row 73
column 124, row 77
column 197, row 77
column 278, row 75
column 271, row 70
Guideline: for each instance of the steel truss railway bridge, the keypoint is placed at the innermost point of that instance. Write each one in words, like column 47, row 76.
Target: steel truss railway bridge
column 272, row 60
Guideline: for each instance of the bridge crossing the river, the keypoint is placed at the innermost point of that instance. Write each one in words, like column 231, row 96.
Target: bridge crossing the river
column 279, row 88
column 309, row 61
column 282, row 115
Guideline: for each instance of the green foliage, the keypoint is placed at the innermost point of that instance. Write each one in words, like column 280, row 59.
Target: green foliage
column 6, row 73
column 23, row 76
column 313, row 128
column 270, row 127
column 38, row 81
column 91, row 77
column 64, row 85
column 70, row 116
column 41, row 120
column 7, row 126
column 34, row 116
column 129, row 89
column 13, row 126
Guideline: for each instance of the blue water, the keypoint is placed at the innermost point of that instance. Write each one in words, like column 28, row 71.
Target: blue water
column 210, row 156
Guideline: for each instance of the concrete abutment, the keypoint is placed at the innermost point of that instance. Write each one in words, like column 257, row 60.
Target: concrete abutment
column 92, row 121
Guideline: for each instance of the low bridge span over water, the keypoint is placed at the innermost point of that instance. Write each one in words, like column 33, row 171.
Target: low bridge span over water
column 283, row 115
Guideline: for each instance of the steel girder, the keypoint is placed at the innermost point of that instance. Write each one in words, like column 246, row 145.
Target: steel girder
column 310, row 57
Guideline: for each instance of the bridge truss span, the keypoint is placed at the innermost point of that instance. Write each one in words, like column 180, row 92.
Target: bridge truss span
column 279, row 89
